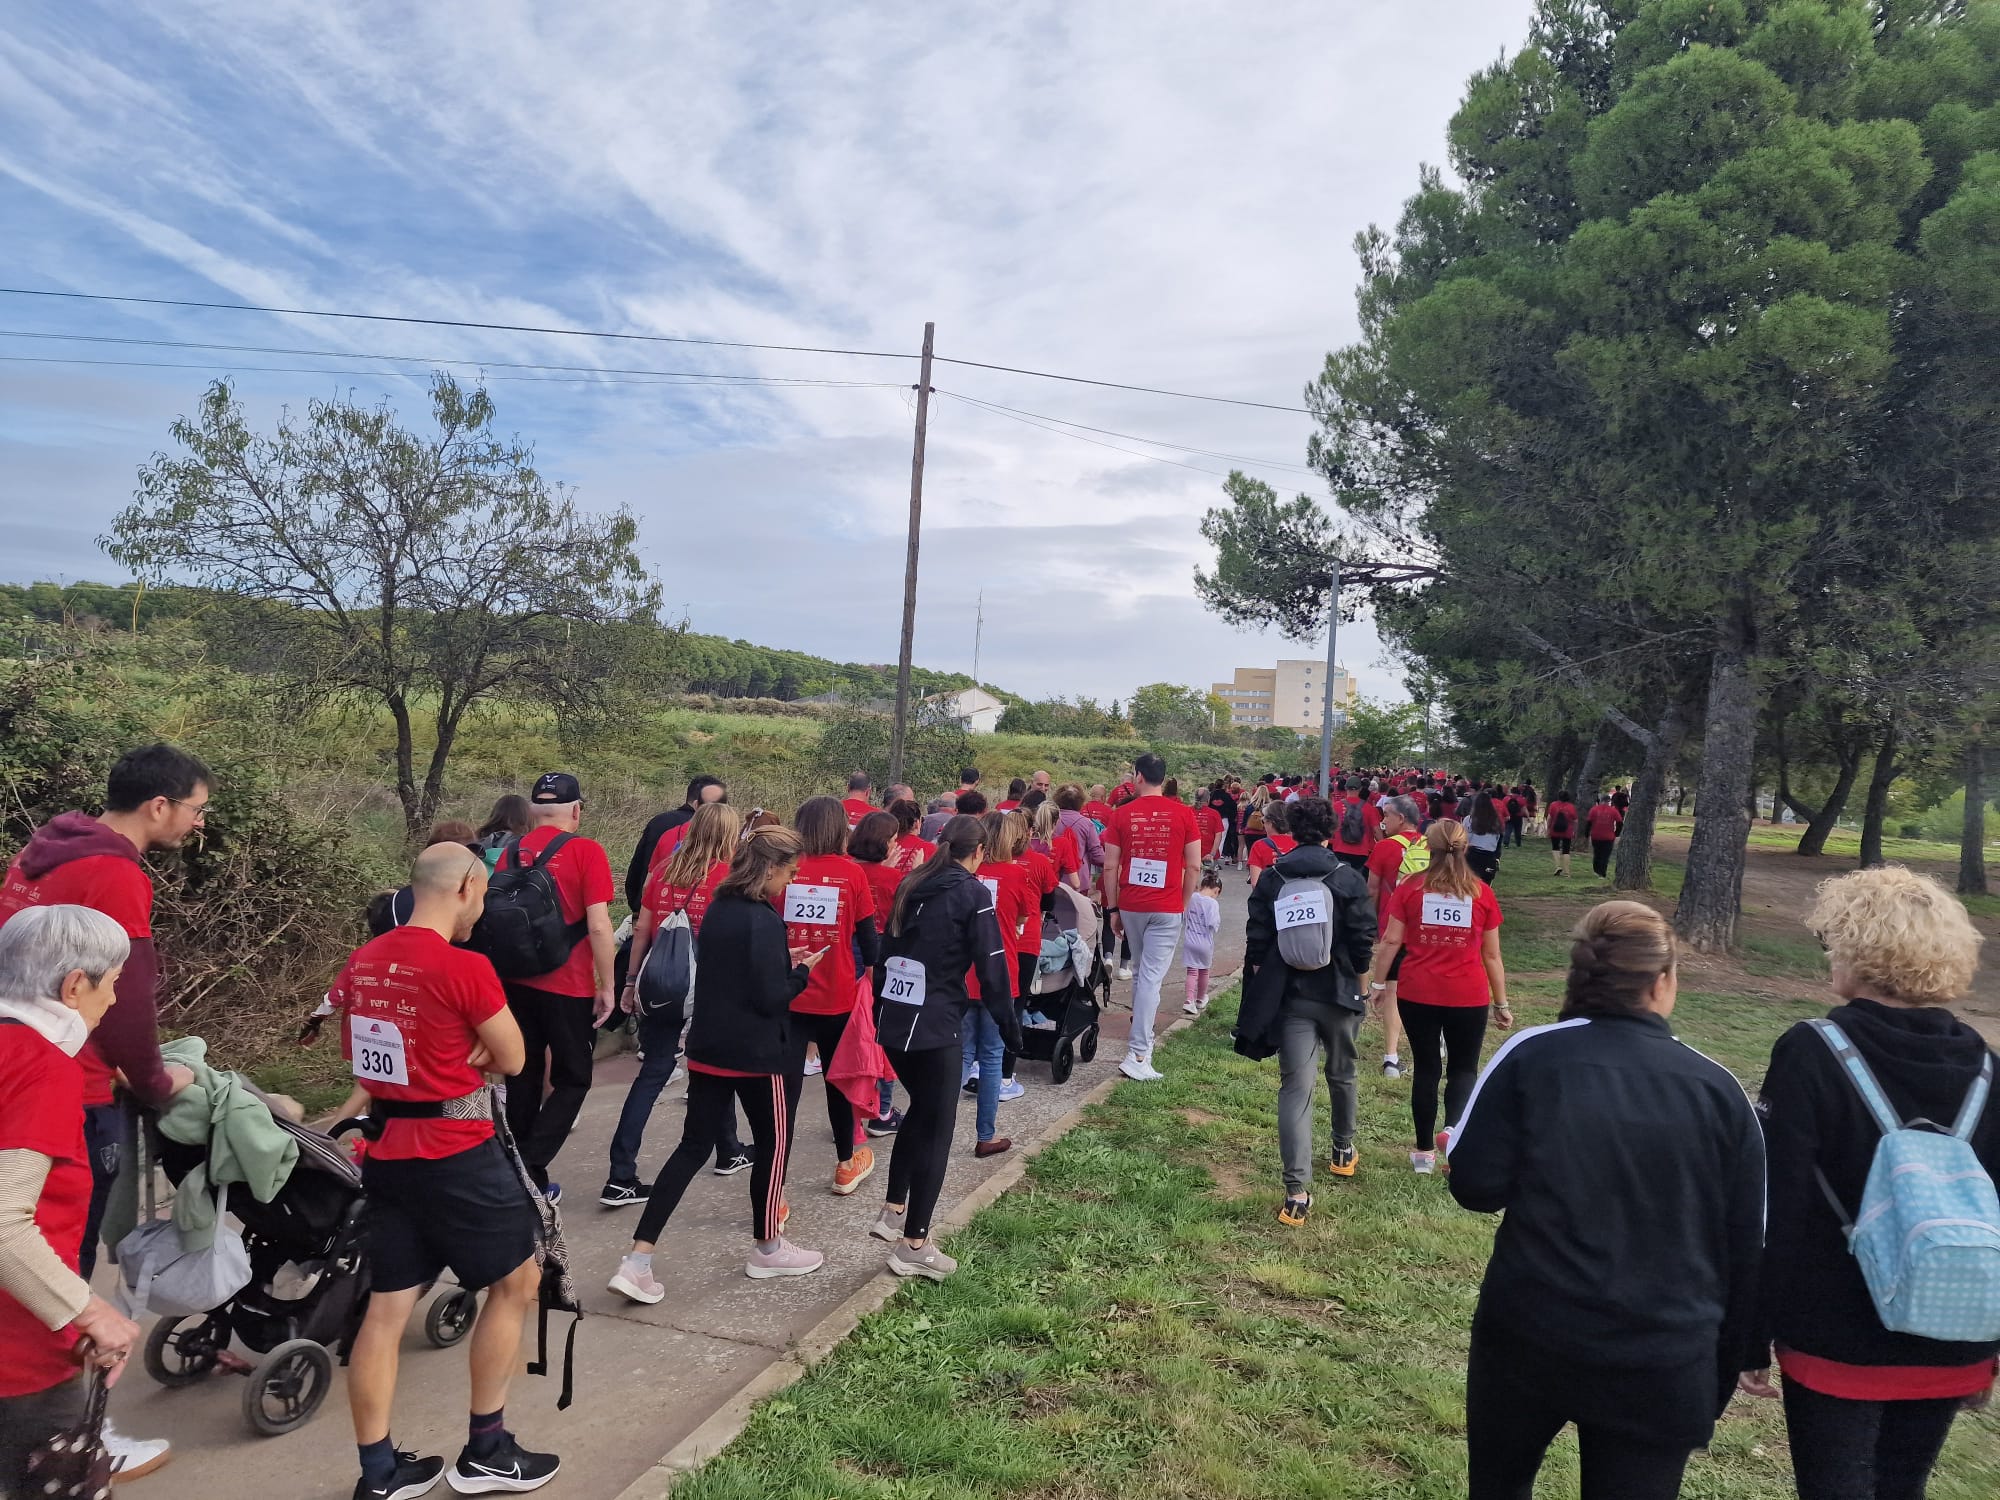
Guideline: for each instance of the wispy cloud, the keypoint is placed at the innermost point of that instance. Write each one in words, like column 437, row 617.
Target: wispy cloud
column 1164, row 196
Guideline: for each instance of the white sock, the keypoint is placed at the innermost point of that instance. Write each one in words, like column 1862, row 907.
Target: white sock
column 637, row 1264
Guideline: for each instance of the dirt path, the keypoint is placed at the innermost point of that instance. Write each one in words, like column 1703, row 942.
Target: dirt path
column 1778, row 889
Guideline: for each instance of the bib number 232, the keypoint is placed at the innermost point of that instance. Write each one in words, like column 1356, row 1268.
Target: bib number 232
column 377, row 1047
column 812, row 905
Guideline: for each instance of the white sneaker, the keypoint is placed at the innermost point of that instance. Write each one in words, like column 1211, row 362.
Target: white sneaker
column 1124, row 971
column 1010, row 1089
column 1423, row 1163
column 638, row 1285
column 1192, row 1008
column 1153, row 1074
column 1392, row 1068
column 1140, row 1070
column 679, row 1075
column 132, row 1457
column 812, row 1066
column 782, row 1259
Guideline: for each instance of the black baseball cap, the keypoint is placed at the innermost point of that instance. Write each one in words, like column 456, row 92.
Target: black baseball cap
column 556, row 786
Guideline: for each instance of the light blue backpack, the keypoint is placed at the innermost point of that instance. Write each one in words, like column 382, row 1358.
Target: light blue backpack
column 1928, row 1234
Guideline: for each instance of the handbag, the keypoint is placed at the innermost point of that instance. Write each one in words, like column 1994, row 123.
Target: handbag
column 666, row 977
column 158, row 1273
column 74, row 1464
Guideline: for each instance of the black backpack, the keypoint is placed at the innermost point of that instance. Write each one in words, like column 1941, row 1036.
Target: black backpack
column 522, row 928
column 1353, row 824
column 1556, row 819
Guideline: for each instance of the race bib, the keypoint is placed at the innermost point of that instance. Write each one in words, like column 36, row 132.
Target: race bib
column 812, row 905
column 1302, row 909
column 1149, row 873
column 903, row 981
column 992, row 889
column 1454, row 912
column 377, row 1046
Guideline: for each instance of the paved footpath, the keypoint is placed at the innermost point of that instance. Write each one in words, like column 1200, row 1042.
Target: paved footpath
column 648, row 1379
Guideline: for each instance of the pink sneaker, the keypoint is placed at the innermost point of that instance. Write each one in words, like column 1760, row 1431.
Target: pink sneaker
column 639, row 1285
column 783, row 1259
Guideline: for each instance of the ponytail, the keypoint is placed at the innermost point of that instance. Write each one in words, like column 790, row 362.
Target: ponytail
column 955, row 842
column 1448, row 870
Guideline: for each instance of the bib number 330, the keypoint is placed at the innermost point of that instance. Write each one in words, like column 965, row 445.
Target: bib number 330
column 377, row 1048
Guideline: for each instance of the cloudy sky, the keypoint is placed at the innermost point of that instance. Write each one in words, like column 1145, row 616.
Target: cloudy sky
column 1157, row 195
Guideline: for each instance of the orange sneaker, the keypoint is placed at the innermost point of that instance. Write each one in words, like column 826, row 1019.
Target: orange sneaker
column 850, row 1174
column 1345, row 1159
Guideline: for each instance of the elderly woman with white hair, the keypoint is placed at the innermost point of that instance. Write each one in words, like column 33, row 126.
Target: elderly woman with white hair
column 1868, row 1406
column 58, row 969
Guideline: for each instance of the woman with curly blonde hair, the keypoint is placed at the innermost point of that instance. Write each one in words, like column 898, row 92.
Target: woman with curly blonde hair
column 1868, row 1409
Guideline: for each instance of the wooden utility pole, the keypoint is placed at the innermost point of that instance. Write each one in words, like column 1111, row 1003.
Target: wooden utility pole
column 1326, row 710
column 901, row 730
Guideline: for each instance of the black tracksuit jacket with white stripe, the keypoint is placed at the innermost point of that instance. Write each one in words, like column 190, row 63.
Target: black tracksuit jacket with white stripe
column 1631, row 1172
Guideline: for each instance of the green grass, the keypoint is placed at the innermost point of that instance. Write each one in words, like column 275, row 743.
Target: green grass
column 1787, row 957
column 1131, row 1321
column 1841, row 844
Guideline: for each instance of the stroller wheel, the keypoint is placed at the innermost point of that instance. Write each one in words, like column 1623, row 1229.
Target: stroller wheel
column 181, row 1351
column 449, row 1319
column 1086, row 1045
column 287, row 1387
column 1062, row 1061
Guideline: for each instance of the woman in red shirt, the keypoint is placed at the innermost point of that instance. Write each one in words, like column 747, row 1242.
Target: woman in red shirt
column 1057, row 845
column 59, row 967
column 1446, row 924
column 683, row 882
column 1562, row 829
column 1602, row 823
column 829, row 904
column 987, row 1066
column 906, row 849
column 871, row 845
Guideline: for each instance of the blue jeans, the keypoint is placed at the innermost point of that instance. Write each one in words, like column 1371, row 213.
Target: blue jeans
column 981, row 1042
column 660, row 1040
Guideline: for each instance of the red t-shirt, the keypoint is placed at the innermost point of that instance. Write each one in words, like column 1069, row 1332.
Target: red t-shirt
column 1371, row 825
column 1209, row 821
column 1266, row 850
column 1098, row 813
column 1562, row 820
column 829, row 897
column 110, row 883
column 1063, row 854
column 1602, row 822
column 857, row 809
column 908, row 851
column 664, row 849
column 1043, row 877
column 582, row 872
column 1018, row 904
column 883, row 878
column 1007, row 807
column 41, row 1110
column 1151, row 835
column 1441, row 940
column 661, row 899
column 1885, row 1382
column 430, row 998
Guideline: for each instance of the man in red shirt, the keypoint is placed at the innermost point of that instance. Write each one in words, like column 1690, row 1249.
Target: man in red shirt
column 1602, row 824
column 559, row 1012
column 1097, row 809
column 423, row 1022
column 1152, row 865
column 856, row 804
column 155, row 797
column 1354, row 851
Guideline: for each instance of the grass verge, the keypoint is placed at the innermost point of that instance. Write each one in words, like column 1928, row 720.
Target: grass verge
column 1131, row 1321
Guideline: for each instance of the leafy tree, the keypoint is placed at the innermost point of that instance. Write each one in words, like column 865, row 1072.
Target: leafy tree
column 935, row 748
column 1383, row 734
column 1165, row 711
column 428, row 573
column 1061, row 716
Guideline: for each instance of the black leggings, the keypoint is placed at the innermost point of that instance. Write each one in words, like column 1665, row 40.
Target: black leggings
column 1463, row 1028
column 1485, row 863
column 1600, row 855
column 825, row 1032
column 1517, row 1401
column 561, row 1048
column 1863, row 1450
column 711, row 1115
column 923, row 1145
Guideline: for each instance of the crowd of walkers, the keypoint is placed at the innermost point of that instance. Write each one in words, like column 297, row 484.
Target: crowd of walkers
column 1663, row 1243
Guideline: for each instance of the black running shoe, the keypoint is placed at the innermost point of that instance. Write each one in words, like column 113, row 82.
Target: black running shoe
column 622, row 1194
column 887, row 1124
column 508, row 1470
column 729, row 1166
column 414, row 1476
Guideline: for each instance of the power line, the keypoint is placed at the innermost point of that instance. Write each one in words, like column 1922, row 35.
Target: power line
column 1048, row 426
column 706, row 376
column 1265, row 463
column 729, row 382
column 650, row 338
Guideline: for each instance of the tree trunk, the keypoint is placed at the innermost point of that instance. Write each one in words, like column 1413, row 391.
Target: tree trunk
column 1784, row 797
column 1812, row 842
column 1634, row 870
column 1588, row 778
column 1712, row 892
column 1878, row 799
column 1562, row 755
column 447, row 736
column 1972, row 832
column 414, row 816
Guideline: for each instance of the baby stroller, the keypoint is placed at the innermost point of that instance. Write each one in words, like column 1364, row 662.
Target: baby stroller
column 307, row 1291
column 1072, row 983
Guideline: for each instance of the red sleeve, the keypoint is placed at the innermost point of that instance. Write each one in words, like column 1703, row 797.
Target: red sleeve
column 864, row 895
column 1402, row 902
column 594, row 873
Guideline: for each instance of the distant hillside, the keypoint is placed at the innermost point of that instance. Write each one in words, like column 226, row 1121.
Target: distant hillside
column 711, row 664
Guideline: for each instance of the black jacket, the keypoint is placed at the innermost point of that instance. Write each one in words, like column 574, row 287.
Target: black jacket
column 642, row 857
column 950, row 930
column 744, row 985
column 1270, row 984
column 1814, row 1299
column 1631, row 1170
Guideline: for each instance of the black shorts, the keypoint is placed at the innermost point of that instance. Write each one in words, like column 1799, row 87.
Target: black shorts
column 1396, row 964
column 468, row 1214
column 1560, row 845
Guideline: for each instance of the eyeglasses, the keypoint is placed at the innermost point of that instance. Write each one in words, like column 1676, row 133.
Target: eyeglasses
column 199, row 809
